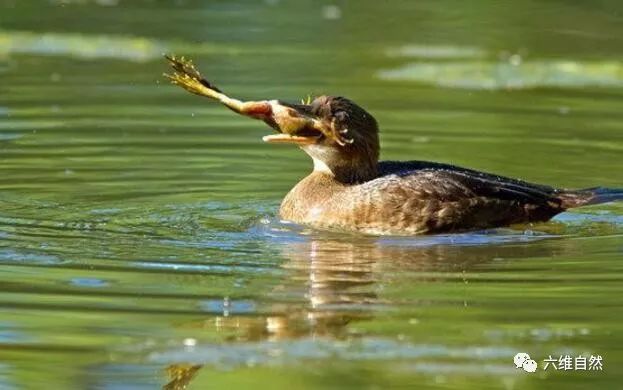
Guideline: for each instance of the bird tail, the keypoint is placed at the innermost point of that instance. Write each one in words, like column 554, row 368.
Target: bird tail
column 590, row 196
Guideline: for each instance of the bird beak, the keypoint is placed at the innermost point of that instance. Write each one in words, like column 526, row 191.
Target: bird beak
column 289, row 139
column 294, row 123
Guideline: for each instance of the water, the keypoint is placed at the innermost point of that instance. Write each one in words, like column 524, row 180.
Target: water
column 139, row 243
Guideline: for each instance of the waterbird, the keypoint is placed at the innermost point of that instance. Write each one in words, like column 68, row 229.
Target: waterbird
column 350, row 189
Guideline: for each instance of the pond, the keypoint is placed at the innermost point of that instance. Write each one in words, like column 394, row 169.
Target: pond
column 139, row 240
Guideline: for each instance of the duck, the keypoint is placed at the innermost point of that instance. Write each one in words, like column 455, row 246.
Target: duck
column 349, row 189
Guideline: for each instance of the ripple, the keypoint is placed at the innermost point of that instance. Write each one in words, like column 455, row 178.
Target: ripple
column 206, row 268
column 287, row 232
column 227, row 306
column 88, row 282
column 463, row 369
column 296, row 351
column 584, row 219
column 9, row 136
column 485, row 237
column 8, row 255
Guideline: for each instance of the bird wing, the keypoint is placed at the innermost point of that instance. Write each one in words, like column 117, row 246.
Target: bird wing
column 454, row 183
column 447, row 198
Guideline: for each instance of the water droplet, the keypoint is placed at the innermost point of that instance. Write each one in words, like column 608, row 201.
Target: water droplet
column 190, row 342
column 331, row 12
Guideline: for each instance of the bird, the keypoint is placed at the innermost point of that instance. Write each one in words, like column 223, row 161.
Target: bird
column 349, row 189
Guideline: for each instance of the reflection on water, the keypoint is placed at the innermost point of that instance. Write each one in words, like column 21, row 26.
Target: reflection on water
column 436, row 52
column 78, row 45
column 341, row 280
column 511, row 75
column 181, row 375
column 93, row 47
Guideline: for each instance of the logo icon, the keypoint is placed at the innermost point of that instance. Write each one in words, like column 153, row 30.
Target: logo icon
column 522, row 360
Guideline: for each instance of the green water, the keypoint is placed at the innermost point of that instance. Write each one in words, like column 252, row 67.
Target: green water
column 139, row 241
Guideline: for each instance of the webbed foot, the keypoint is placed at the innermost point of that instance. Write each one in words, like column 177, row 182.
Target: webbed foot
column 336, row 132
column 189, row 78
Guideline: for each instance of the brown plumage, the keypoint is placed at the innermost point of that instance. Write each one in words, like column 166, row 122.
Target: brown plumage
column 350, row 189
